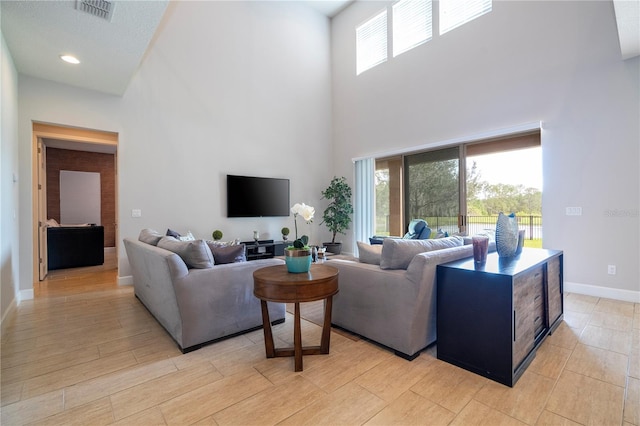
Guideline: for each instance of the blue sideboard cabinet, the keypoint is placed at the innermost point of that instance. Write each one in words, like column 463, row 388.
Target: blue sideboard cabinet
column 492, row 318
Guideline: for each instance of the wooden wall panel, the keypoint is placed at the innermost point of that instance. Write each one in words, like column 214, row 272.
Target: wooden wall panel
column 82, row 161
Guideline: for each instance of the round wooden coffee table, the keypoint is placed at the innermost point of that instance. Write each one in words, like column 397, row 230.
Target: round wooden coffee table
column 276, row 284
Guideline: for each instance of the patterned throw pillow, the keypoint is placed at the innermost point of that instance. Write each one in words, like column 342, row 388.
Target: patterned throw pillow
column 219, row 243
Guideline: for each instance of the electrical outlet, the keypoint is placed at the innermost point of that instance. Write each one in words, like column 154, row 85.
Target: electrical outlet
column 611, row 269
column 573, row 211
column 136, row 213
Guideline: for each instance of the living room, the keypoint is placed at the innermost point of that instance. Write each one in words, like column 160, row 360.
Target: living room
column 270, row 89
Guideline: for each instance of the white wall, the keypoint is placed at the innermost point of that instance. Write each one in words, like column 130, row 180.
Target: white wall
column 556, row 62
column 225, row 87
column 9, row 241
column 44, row 101
column 9, row 212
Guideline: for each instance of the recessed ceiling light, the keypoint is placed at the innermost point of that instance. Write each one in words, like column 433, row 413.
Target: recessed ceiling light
column 70, row 59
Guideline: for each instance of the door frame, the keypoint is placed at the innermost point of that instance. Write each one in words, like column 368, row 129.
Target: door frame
column 42, row 131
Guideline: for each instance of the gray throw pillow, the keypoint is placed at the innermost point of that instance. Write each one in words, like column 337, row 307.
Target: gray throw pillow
column 369, row 253
column 397, row 253
column 227, row 254
column 195, row 254
column 150, row 236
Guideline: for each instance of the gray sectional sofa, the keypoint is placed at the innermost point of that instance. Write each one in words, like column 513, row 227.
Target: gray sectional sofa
column 388, row 294
column 196, row 305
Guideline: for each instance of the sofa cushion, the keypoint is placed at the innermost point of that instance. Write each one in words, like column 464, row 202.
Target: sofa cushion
column 150, row 236
column 227, row 254
column 195, row 254
column 369, row 253
column 398, row 253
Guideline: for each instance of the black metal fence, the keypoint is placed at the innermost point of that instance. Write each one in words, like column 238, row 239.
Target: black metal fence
column 532, row 225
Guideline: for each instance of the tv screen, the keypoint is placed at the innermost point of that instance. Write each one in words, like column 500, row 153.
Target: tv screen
column 249, row 196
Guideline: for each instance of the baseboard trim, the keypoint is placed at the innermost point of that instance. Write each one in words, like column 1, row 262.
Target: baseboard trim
column 25, row 295
column 126, row 280
column 606, row 292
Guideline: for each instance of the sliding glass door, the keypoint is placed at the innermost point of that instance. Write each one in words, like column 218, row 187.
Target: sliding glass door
column 432, row 189
column 462, row 188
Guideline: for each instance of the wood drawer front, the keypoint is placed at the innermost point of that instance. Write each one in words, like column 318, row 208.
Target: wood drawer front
column 525, row 288
column 554, row 288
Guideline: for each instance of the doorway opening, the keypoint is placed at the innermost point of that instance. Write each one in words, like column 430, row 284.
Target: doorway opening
column 71, row 149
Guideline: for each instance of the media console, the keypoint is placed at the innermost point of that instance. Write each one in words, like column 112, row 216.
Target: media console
column 264, row 249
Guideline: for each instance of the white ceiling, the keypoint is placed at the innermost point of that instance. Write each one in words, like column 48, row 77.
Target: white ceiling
column 38, row 32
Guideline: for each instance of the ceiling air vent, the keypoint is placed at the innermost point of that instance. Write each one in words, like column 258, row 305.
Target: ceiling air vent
column 100, row 8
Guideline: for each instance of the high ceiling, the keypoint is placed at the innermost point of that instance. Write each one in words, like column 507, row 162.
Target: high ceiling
column 110, row 50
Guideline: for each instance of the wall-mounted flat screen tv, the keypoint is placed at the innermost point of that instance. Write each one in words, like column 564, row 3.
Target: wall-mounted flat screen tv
column 249, row 196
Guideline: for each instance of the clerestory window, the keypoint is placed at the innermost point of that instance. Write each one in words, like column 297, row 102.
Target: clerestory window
column 371, row 42
column 411, row 24
column 454, row 13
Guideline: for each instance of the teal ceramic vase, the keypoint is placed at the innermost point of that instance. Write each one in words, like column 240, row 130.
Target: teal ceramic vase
column 297, row 260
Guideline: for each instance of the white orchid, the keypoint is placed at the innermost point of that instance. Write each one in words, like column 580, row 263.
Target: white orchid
column 303, row 210
column 307, row 213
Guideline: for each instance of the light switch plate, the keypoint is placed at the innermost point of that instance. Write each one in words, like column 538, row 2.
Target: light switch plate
column 573, row 211
column 136, row 213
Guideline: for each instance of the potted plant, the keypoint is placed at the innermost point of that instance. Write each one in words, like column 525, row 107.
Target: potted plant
column 285, row 233
column 337, row 215
column 298, row 256
column 217, row 234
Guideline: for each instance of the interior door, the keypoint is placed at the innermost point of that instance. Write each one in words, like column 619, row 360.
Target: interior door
column 42, row 209
column 432, row 189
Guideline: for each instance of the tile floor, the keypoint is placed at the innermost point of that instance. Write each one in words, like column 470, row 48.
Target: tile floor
column 85, row 351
